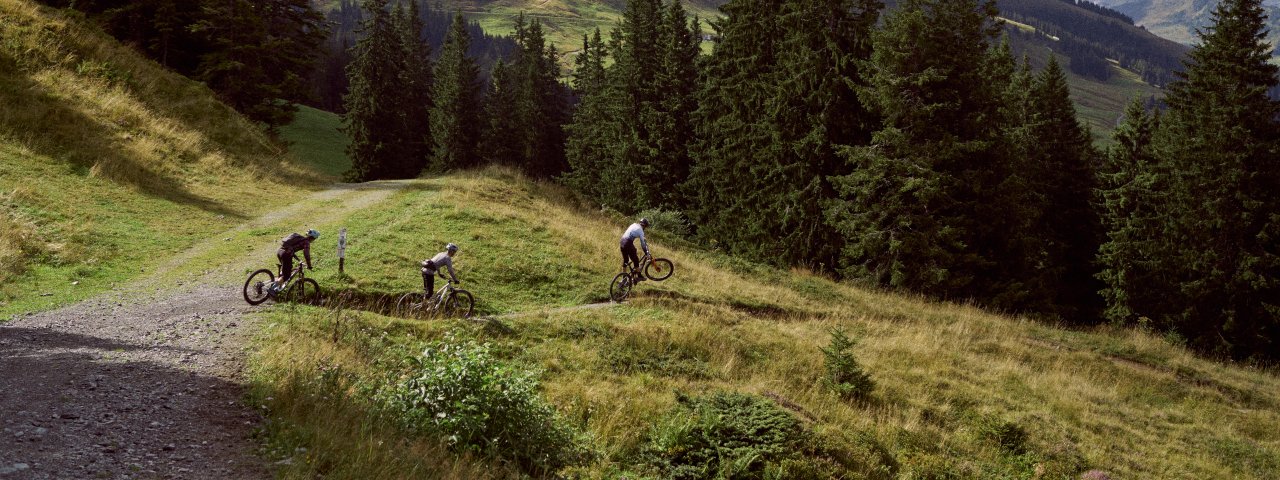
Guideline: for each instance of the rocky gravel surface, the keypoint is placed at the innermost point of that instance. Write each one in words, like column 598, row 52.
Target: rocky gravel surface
column 129, row 388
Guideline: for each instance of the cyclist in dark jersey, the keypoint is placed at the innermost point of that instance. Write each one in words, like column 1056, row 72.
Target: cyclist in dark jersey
column 289, row 246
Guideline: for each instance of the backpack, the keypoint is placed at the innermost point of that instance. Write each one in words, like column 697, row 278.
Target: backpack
column 292, row 243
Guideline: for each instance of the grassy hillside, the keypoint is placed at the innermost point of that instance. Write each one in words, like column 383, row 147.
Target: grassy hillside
column 314, row 138
column 109, row 163
column 959, row 392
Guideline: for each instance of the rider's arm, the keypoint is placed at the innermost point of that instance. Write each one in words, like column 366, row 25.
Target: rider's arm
column 306, row 252
column 644, row 244
column 451, row 274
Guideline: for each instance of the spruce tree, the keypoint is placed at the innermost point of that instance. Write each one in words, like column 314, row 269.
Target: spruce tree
column 374, row 116
column 923, row 208
column 455, row 120
column 1064, row 176
column 594, row 135
column 415, row 96
column 1219, row 143
column 498, row 141
column 1132, row 219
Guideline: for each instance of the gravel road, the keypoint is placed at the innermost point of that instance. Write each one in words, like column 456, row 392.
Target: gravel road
column 129, row 388
column 137, row 385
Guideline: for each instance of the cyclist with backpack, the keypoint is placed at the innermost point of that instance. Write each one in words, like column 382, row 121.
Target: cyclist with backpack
column 289, row 247
column 628, row 245
column 433, row 265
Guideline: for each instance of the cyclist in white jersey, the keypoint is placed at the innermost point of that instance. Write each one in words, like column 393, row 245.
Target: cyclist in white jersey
column 430, row 267
column 628, row 244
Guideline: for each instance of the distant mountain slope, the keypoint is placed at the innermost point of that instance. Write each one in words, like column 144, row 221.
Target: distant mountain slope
column 110, row 163
column 1178, row 19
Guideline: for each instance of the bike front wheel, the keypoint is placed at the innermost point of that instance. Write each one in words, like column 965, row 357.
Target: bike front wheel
column 460, row 304
column 255, row 287
column 304, row 291
column 659, row 269
column 409, row 305
column 620, row 287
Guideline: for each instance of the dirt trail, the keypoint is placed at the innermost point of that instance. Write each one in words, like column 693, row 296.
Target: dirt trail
column 133, row 384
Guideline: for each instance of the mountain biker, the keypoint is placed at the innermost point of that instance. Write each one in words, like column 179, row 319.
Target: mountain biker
column 628, row 244
column 432, row 266
column 290, row 246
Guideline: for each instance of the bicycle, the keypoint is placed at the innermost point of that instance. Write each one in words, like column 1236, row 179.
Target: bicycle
column 656, row 269
column 447, row 302
column 298, row 288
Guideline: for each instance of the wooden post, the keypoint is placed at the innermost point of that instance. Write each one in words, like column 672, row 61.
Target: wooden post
column 342, row 249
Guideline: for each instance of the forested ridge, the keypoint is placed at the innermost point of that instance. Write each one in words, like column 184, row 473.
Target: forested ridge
column 906, row 148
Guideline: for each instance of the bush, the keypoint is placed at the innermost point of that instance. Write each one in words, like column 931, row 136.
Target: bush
column 729, row 435
column 464, row 395
column 844, row 375
column 667, row 222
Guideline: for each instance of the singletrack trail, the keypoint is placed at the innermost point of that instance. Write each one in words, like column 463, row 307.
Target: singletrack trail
column 145, row 381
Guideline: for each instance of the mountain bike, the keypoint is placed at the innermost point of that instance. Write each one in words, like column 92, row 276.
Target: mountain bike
column 447, row 302
column 656, row 269
column 298, row 288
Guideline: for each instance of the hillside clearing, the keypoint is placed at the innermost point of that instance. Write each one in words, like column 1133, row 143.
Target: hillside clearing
column 947, row 376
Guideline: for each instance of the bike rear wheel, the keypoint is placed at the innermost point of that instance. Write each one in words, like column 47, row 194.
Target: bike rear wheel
column 460, row 304
column 659, row 269
column 255, row 287
column 620, row 288
column 304, row 291
column 409, row 305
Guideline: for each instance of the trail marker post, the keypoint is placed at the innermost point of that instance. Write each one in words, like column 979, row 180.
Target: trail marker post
column 342, row 249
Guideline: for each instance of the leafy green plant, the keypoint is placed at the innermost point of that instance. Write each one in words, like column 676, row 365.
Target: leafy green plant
column 844, row 375
column 729, row 435
column 463, row 394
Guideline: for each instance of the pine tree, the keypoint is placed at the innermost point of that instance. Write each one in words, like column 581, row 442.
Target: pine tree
column 1219, row 143
column 497, row 139
column 530, row 92
column 594, row 135
column 922, row 209
column 374, row 115
column 1064, row 175
column 1132, row 219
column 259, row 53
column 415, row 96
column 733, row 145
column 676, row 82
column 455, row 120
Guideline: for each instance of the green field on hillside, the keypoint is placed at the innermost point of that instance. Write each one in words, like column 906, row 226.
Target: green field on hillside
column 315, row 139
column 959, row 393
column 110, row 164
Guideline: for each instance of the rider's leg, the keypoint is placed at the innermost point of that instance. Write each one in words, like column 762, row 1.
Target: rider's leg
column 629, row 256
column 428, row 285
column 286, row 266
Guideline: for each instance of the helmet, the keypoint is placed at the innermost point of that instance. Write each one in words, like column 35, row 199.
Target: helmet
column 644, row 222
column 313, row 234
column 451, row 248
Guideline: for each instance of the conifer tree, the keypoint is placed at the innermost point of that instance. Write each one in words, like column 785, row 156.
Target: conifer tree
column 594, row 135
column 1063, row 175
column 923, row 208
column 455, row 120
column 531, row 93
column 374, row 116
column 1219, row 143
column 1132, row 219
column 415, row 97
column 498, row 142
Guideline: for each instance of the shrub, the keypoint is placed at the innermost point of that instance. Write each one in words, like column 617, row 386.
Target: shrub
column 844, row 375
column 729, row 435
column 461, row 393
column 667, row 222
